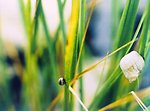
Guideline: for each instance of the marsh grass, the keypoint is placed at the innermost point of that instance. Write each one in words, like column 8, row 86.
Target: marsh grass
column 63, row 56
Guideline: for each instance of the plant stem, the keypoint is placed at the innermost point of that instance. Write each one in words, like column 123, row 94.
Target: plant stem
column 71, row 52
column 144, row 39
column 80, row 34
column 60, row 8
column 66, row 95
column 104, row 89
column 49, row 41
column 115, row 17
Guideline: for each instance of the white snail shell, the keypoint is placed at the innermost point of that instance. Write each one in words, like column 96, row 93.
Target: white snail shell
column 131, row 65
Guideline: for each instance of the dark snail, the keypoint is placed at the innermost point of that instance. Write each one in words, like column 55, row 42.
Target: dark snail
column 61, row 81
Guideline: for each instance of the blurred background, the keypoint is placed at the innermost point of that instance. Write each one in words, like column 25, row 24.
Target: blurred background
column 13, row 43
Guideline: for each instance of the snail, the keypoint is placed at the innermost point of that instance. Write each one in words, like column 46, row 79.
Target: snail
column 61, row 81
column 131, row 65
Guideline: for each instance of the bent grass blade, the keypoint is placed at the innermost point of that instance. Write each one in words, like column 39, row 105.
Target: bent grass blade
column 143, row 93
column 94, row 65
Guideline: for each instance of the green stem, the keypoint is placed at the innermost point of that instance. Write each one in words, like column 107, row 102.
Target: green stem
column 104, row 89
column 125, row 29
column 81, row 89
column 49, row 41
column 115, row 17
column 144, row 34
column 35, row 28
column 80, row 34
column 66, row 95
column 62, row 26
column 60, row 8
column 32, row 92
column 137, row 32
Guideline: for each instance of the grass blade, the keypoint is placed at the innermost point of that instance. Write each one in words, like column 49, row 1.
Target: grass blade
column 126, row 25
column 94, row 65
column 115, row 17
column 70, row 48
column 48, row 39
column 143, row 93
column 60, row 8
column 35, row 23
column 144, row 34
column 81, row 29
column 83, row 38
